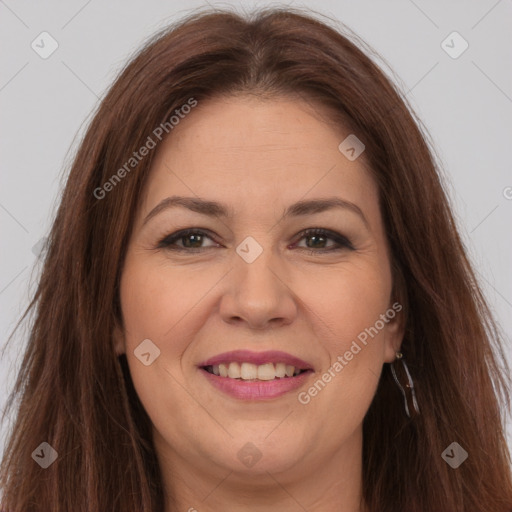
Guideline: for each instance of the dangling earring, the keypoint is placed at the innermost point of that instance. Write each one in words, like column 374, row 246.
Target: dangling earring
column 409, row 386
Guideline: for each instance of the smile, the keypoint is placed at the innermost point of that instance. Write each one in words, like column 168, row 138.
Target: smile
column 249, row 371
column 247, row 375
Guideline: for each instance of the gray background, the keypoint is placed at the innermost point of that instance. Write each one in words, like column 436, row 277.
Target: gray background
column 465, row 103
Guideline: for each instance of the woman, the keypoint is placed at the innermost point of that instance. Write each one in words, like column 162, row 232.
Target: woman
column 255, row 297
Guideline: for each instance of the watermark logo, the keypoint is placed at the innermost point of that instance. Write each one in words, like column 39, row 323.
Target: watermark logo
column 454, row 455
column 146, row 352
column 44, row 45
column 39, row 247
column 137, row 156
column 454, row 45
column 249, row 249
column 304, row 397
column 249, row 455
column 351, row 147
column 45, row 455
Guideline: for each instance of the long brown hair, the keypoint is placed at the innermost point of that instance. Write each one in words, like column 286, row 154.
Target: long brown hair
column 74, row 392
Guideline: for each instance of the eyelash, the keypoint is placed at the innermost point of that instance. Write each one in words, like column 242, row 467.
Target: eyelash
column 342, row 241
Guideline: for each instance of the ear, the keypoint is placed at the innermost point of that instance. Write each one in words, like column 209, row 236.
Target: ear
column 118, row 339
column 396, row 314
column 395, row 329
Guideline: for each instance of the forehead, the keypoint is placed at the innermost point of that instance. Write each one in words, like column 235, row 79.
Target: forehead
column 252, row 153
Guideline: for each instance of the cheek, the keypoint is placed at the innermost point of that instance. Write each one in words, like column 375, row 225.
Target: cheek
column 347, row 301
column 156, row 305
column 353, row 334
column 155, row 300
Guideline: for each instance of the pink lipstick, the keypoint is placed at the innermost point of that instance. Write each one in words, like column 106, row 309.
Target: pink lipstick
column 248, row 375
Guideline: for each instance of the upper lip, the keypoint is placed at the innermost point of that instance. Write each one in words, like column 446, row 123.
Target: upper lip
column 257, row 358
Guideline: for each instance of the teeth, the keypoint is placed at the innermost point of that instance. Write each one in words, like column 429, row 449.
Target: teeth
column 266, row 372
column 280, row 370
column 234, row 371
column 249, row 371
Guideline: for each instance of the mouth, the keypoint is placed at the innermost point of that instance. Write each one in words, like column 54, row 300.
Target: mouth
column 247, row 375
column 251, row 372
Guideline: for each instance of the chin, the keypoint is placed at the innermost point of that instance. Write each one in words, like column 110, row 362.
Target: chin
column 261, row 456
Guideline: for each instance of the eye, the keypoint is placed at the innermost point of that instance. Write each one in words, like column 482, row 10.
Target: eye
column 192, row 239
column 320, row 236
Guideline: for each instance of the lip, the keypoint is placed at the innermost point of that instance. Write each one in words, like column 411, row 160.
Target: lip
column 257, row 358
column 256, row 390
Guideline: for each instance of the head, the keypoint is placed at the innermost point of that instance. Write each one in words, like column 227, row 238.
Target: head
column 252, row 114
column 311, row 296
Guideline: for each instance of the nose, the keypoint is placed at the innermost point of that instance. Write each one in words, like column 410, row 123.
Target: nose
column 258, row 294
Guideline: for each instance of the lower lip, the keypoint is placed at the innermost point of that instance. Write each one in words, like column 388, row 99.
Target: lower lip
column 256, row 390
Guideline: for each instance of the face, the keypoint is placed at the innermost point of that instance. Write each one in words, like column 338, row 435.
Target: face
column 250, row 277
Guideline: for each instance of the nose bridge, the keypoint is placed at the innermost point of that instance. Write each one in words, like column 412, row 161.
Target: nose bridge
column 255, row 268
column 258, row 292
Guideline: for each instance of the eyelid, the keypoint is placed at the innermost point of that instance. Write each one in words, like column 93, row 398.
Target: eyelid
column 164, row 242
column 343, row 242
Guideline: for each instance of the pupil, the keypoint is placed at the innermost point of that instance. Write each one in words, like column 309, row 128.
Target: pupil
column 197, row 237
column 317, row 237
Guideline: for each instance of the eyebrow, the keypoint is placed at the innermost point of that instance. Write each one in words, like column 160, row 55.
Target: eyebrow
column 218, row 210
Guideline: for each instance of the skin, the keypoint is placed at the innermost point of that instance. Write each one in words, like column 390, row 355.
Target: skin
column 257, row 157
